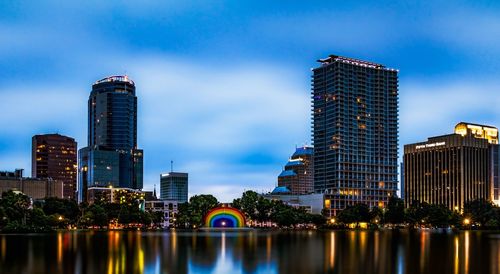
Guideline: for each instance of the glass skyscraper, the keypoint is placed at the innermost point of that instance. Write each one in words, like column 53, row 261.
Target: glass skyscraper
column 174, row 186
column 112, row 157
column 355, row 132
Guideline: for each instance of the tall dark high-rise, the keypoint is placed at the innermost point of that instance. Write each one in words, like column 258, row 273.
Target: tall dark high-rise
column 355, row 132
column 112, row 157
column 54, row 156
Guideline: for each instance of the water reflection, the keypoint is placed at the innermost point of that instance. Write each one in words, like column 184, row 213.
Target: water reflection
column 252, row 252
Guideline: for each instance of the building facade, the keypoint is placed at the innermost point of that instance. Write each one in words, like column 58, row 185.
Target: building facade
column 168, row 208
column 312, row 203
column 174, row 186
column 354, row 132
column 36, row 188
column 453, row 169
column 111, row 157
column 298, row 173
column 54, row 156
column 115, row 195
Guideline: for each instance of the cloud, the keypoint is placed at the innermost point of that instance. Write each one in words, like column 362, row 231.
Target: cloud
column 189, row 112
column 432, row 109
column 470, row 29
column 197, row 113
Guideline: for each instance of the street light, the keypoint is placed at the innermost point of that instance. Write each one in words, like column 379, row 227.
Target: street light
column 466, row 221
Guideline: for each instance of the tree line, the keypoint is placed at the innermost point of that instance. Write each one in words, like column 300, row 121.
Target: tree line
column 258, row 212
column 19, row 214
column 480, row 214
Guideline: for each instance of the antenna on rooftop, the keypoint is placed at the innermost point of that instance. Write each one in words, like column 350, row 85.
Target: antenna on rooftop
column 171, row 166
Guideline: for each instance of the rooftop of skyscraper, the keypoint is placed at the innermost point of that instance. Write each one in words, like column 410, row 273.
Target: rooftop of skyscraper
column 335, row 58
column 305, row 150
column 115, row 78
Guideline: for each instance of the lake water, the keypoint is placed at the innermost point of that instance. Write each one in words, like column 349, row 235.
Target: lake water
column 383, row 251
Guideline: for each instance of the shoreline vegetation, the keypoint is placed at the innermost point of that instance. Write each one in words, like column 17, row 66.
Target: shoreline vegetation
column 18, row 214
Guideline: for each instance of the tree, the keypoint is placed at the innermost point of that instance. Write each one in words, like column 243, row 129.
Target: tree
column 96, row 216
column 183, row 219
column 67, row 208
column 480, row 210
column 284, row 215
column 38, row 219
column 264, row 208
column 355, row 214
column 376, row 215
column 317, row 219
column 157, row 218
column 439, row 216
column 395, row 213
column 16, row 206
column 192, row 213
column 248, row 204
column 417, row 213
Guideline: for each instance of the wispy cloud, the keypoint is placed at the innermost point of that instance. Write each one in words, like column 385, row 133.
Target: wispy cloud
column 430, row 109
column 188, row 112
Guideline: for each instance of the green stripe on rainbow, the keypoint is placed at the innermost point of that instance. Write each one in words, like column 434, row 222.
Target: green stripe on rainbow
column 224, row 217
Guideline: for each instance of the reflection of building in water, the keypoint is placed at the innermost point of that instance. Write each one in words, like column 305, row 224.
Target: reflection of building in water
column 168, row 209
column 312, row 203
column 453, row 169
column 204, row 252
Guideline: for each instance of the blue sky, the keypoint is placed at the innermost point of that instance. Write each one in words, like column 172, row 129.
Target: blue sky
column 224, row 86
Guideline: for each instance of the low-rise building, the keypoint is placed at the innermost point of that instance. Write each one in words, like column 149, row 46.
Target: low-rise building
column 167, row 207
column 312, row 203
column 35, row 188
column 114, row 195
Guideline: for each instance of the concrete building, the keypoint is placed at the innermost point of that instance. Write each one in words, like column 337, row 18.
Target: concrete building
column 174, row 186
column 54, row 156
column 312, row 203
column 453, row 169
column 111, row 157
column 298, row 173
column 35, row 188
column 355, row 132
column 167, row 207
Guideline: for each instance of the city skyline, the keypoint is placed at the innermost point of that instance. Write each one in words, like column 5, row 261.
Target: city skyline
column 209, row 102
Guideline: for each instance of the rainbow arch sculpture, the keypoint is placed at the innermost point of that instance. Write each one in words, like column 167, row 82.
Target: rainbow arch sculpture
column 221, row 217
